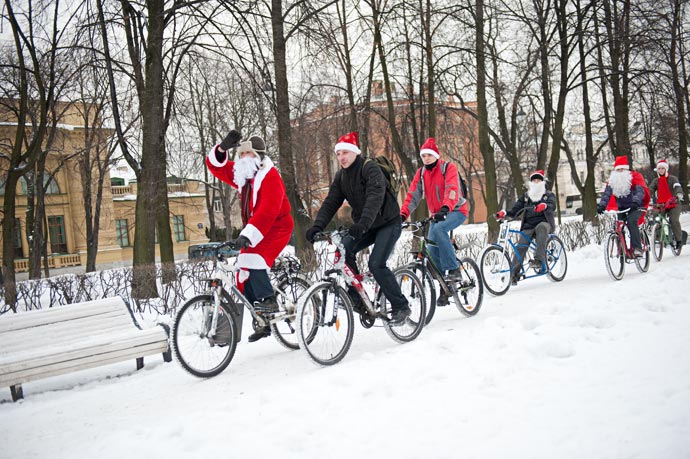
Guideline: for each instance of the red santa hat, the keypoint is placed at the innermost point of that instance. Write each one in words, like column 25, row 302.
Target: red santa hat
column 662, row 163
column 349, row 142
column 621, row 163
column 537, row 174
column 430, row 148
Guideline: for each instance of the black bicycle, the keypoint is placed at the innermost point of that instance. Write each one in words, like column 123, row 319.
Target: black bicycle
column 467, row 291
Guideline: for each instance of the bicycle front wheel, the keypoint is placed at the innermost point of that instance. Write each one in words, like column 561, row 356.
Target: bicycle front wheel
column 556, row 259
column 290, row 290
column 412, row 289
column 325, row 323
column 614, row 256
column 642, row 263
column 470, row 289
column 658, row 241
column 200, row 352
column 495, row 270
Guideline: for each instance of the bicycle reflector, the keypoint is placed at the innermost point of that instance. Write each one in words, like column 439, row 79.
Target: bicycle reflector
column 213, row 283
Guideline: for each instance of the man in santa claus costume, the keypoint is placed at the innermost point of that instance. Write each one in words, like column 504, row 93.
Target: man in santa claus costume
column 626, row 189
column 265, row 215
column 667, row 191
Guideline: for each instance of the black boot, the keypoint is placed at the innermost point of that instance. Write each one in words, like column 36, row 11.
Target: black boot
column 260, row 332
column 268, row 305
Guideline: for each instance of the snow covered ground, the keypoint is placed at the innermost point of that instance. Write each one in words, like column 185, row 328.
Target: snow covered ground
column 587, row 367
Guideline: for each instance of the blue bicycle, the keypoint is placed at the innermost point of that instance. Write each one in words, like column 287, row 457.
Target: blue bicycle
column 497, row 267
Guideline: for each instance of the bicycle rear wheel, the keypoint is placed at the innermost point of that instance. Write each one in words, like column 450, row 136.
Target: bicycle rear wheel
column 470, row 289
column 658, row 241
column 199, row 353
column 614, row 256
column 284, row 331
column 495, row 270
column 429, row 289
column 642, row 263
column 412, row 289
column 325, row 323
column 556, row 259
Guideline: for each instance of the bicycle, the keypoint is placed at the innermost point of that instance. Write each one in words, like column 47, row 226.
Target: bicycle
column 496, row 266
column 325, row 315
column 660, row 232
column 618, row 251
column 208, row 327
column 469, row 286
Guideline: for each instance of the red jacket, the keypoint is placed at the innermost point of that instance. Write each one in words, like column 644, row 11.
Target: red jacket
column 438, row 190
column 269, row 223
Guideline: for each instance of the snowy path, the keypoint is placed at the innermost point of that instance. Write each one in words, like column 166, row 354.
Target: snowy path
column 583, row 368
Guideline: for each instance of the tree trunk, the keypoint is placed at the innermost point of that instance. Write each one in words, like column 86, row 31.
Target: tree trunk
column 482, row 112
column 287, row 164
column 679, row 100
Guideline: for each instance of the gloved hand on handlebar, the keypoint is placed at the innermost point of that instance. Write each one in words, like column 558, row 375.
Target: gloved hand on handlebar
column 242, row 242
column 500, row 215
column 600, row 209
column 311, row 232
column 357, row 230
column 541, row 207
column 441, row 214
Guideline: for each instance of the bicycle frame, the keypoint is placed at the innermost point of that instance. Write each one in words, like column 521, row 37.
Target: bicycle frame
column 620, row 228
column 505, row 242
column 340, row 268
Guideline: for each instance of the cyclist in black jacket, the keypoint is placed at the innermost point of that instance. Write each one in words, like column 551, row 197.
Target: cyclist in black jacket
column 376, row 217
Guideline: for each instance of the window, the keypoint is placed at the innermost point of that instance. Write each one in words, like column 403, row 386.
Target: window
column 51, row 188
column 58, row 236
column 2, row 186
column 17, row 237
column 178, row 228
column 217, row 205
column 122, row 232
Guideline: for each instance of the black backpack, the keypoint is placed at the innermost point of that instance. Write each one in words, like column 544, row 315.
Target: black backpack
column 463, row 184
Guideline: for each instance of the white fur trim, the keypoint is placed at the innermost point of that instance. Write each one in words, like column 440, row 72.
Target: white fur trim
column 347, row 146
column 266, row 166
column 429, row 151
column 212, row 157
column 252, row 233
column 242, row 276
column 251, row 261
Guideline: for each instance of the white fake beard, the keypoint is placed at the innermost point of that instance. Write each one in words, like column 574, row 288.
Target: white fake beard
column 536, row 191
column 245, row 169
column 620, row 183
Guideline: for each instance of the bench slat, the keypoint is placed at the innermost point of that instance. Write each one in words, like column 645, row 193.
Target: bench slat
column 77, row 326
column 89, row 345
column 30, row 319
column 80, row 364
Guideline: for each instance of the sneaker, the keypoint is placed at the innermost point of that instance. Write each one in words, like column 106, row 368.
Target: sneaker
column 639, row 253
column 399, row 315
column 262, row 332
column 442, row 300
column 268, row 305
column 535, row 264
column 454, row 274
column 514, row 279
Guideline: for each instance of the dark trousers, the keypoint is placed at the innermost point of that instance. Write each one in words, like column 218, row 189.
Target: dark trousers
column 384, row 240
column 631, row 221
column 258, row 286
column 539, row 234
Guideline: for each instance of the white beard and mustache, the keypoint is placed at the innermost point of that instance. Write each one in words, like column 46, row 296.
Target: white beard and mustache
column 245, row 169
column 535, row 191
column 620, row 183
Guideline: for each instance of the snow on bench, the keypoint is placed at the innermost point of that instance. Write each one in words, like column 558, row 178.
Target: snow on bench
column 50, row 342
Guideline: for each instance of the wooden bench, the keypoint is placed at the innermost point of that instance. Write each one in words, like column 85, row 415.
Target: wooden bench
column 50, row 342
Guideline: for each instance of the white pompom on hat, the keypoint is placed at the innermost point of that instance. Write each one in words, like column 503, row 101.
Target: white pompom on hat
column 430, row 148
column 349, row 142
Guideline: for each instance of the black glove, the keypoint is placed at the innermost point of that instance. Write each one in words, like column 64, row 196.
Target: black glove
column 311, row 232
column 357, row 230
column 600, row 209
column 240, row 243
column 441, row 214
column 231, row 140
column 633, row 208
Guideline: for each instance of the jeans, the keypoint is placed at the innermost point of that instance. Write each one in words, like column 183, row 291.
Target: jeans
column 384, row 240
column 542, row 232
column 443, row 254
column 258, row 286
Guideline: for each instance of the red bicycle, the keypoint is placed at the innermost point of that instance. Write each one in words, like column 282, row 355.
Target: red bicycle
column 619, row 252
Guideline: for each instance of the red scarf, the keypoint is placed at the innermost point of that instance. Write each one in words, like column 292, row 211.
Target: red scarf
column 663, row 192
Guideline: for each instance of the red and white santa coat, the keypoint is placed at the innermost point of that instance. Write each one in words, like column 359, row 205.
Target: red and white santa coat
column 266, row 217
